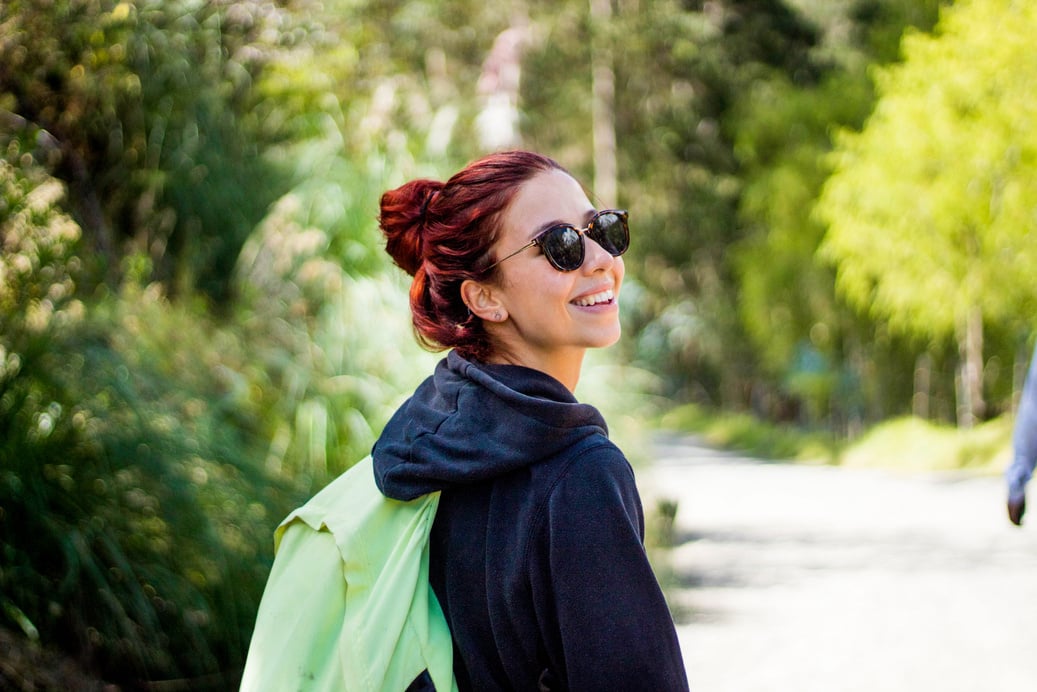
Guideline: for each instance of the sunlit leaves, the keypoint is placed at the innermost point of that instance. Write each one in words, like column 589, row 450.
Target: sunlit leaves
column 37, row 246
column 145, row 109
column 330, row 317
column 931, row 207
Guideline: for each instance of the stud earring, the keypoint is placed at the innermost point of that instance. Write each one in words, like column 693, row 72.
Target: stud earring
column 497, row 316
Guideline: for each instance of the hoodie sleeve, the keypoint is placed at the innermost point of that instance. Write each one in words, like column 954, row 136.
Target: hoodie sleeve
column 1024, row 437
column 615, row 628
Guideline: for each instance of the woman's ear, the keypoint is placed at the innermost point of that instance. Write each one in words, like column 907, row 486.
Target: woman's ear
column 483, row 302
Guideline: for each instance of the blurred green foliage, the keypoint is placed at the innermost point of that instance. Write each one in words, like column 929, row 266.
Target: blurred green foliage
column 913, row 444
column 746, row 433
column 146, row 110
column 905, row 443
column 199, row 327
column 134, row 522
column 170, row 391
column 930, row 208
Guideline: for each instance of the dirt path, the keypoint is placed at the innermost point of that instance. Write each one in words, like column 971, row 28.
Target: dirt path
column 798, row 578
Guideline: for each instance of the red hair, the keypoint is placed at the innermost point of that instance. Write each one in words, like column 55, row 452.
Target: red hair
column 442, row 234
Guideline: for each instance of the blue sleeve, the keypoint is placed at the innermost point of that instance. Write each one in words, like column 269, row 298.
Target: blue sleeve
column 1024, row 436
column 615, row 626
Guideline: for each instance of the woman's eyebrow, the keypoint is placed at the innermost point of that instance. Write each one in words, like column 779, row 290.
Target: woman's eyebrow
column 588, row 215
column 545, row 227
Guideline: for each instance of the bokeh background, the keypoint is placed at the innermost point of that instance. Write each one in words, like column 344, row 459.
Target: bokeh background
column 832, row 207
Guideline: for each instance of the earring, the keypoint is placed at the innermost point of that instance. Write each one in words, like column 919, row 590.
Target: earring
column 497, row 316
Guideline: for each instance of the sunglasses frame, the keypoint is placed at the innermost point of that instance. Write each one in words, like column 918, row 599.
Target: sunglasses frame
column 538, row 239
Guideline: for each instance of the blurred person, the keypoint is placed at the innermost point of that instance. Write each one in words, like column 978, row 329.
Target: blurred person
column 536, row 552
column 1024, row 446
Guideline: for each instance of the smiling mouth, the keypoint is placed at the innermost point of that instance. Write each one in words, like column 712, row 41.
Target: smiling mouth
column 595, row 299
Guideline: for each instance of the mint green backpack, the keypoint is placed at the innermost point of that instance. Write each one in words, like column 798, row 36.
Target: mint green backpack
column 348, row 605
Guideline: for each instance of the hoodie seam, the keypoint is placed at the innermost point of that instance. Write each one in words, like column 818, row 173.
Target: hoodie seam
column 541, row 510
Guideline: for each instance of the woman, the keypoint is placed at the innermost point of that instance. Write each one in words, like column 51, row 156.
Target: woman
column 536, row 550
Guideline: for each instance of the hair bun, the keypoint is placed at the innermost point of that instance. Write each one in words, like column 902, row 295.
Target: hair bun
column 402, row 220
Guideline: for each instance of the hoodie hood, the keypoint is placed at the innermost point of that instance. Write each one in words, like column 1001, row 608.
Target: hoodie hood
column 470, row 422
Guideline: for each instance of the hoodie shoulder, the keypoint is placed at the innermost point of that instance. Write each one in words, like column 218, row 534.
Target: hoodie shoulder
column 470, row 423
column 595, row 475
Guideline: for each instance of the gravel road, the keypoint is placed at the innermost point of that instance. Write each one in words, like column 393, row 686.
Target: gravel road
column 793, row 578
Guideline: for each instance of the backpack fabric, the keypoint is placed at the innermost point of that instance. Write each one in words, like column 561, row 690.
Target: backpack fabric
column 348, row 605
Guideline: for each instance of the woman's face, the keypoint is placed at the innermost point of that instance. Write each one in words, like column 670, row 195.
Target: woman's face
column 552, row 317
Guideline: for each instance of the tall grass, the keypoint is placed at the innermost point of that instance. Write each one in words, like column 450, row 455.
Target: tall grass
column 135, row 518
column 128, row 496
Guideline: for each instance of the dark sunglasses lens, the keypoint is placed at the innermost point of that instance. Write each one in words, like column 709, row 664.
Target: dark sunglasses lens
column 563, row 247
column 610, row 231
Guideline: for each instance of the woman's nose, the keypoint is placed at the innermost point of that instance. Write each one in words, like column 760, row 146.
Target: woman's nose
column 597, row 257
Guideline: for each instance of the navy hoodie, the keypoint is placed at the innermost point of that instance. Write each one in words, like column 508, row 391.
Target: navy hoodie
column 537, row 553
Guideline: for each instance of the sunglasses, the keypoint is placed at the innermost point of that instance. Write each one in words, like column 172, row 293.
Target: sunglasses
column 564, row 244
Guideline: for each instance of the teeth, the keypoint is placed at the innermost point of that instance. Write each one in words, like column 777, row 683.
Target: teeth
column 594, row 299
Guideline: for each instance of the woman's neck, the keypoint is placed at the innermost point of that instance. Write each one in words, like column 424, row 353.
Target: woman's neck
column 563, row 366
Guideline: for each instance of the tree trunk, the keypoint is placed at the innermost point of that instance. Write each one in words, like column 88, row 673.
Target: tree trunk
column 971, row 406
column 603, row 103
column 923, row 386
